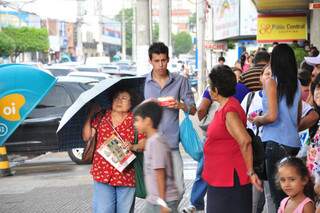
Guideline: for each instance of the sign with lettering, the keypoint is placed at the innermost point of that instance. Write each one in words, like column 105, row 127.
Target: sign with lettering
column 216, row 46
column 282, row 28
column 22, row 87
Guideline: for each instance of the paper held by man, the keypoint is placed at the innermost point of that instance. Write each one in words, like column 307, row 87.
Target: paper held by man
column 116, row 152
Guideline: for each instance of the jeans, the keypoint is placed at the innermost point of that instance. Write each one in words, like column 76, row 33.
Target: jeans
column 112, row 199
column 178, row 172
column 274, row 153
column 152, row 208
column 199, row 188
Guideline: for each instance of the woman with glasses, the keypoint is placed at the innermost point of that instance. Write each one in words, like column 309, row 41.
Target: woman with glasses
column 113, row 191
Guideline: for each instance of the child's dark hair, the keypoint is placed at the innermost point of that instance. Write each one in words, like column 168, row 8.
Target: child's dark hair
column 304, row 77
column 158, row 48
column 149, row 109
column 302, row 170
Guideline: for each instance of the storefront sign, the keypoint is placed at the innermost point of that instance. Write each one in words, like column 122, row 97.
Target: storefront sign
column 226, row 19
column 282, row 28
column 248, row 18
column 216, row 46
column 314, row 6
column 111, row 32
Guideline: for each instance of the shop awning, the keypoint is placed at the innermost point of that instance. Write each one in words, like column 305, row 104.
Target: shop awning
column 281, row 5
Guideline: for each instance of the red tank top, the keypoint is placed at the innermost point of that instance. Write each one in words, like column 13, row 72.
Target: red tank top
column 222, row 155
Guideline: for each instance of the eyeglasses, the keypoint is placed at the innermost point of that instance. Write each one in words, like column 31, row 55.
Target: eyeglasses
column 122, row 98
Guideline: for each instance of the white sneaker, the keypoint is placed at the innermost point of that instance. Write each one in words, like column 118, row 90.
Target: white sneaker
column 190, row 209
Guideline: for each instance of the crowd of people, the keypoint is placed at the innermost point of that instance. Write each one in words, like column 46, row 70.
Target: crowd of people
column 266, row 92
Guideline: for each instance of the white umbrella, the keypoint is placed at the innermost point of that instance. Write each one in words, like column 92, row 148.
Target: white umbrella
column 70, row 128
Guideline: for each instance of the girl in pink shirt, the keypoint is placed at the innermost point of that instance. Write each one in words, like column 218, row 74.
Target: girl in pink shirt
column 294, row 179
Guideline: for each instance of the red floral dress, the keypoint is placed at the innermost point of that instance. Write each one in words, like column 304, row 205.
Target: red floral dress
column 102, row 170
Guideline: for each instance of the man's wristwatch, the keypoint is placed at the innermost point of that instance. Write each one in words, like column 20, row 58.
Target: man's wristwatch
column 251, row 173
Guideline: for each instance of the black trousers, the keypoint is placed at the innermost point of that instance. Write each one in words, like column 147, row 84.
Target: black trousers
column 236, row 199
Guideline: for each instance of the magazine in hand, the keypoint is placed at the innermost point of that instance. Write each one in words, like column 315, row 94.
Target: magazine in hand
column 116, row 152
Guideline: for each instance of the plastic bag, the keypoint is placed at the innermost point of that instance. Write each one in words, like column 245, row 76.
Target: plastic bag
column 190, row 139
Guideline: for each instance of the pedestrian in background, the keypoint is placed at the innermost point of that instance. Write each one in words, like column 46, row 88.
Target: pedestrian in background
column 221, row 60
column 251, row 78
column 162, row 193
column 228, row 160
column 245, row 61
column 160, row 82
column 281, row 113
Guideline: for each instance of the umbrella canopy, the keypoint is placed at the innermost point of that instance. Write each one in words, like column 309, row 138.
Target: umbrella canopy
column 70, row 128
column 22, row 87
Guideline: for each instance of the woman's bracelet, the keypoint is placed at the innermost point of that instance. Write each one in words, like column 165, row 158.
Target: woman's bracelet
column 251, row 173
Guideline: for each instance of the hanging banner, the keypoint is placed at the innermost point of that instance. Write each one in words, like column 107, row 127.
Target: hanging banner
column 281, row 28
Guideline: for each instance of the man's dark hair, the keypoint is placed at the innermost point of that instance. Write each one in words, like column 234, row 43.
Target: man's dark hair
column 221, row 58
column 262, row 56
column 223, row 78
column 149, row 109
column 261, row 49
column 305, row 66
column 304, row 77
column 158, row 48
column 314, row 52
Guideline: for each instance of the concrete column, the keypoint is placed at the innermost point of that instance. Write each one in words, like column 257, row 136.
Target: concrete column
column 164, row 22
column 315, row 28
column 200, row 46
column 134, row 30
column 143, row 36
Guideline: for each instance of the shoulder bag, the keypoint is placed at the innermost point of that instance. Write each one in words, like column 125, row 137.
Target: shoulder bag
column 90, row 147
column 138, row 168
column 204, row 123
column 257, row 146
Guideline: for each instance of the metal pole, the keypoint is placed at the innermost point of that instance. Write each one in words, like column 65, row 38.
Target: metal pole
column 200, row 46
column 79, row 48
column 123, row 30
column 100, row 27
column 143, row 36
column 134, row 30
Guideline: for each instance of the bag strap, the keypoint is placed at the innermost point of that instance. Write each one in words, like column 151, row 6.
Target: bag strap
column 114, row 129
column 249, row 101
column 98, row 115
column 135, row 136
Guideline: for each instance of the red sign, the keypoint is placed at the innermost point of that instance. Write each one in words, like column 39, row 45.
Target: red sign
column 313, row 6
column 217, row 46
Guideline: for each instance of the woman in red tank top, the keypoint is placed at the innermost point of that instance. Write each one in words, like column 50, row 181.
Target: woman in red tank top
column 228, row 168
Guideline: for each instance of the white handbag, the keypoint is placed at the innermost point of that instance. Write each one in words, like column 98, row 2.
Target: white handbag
column 204, row 123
